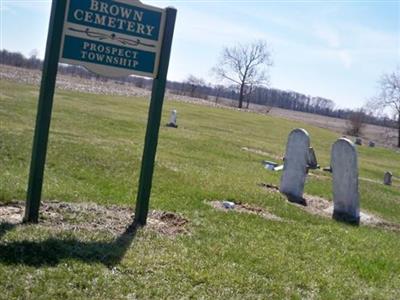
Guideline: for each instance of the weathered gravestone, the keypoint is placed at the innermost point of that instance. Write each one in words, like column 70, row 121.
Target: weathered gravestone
column 387, row 178
column 295, row 165
column 312, row 159
column 371, row 144
column 358, row 141
column 172, row 119
column 344, row 167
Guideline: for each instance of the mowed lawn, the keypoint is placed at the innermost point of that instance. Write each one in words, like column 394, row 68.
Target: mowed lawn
column 94, row 155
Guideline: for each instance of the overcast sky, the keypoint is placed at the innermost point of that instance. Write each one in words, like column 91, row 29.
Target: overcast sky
column 333, row 49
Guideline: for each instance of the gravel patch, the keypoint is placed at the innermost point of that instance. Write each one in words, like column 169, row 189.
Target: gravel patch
column 244, row 208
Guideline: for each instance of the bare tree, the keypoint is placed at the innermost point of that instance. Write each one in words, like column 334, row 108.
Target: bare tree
column 248, row 95
column 34, row 53
column 194, row 83
column 245, row 65
column 389, row 96
column 355, row 123
column 219, row 88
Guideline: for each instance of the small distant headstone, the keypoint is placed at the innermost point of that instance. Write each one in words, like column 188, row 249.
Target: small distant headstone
column 371, row 144
column 358, row 141
column 312, row 159
column 344, row 164
column 295, row 165
column 387, row 178
column 172, row 119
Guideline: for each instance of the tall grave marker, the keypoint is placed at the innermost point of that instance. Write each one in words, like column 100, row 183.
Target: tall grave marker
column 295, row 165
column 113, row 38
column 344, row 165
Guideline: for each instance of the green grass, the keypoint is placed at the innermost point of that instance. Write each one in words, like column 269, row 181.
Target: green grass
column 94, row 154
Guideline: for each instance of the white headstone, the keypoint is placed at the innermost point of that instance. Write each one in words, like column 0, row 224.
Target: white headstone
column 172, row 119
column 387, row 178
column 346, row 204
column 295, row 165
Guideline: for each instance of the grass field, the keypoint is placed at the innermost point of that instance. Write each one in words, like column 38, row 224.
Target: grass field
column 94, row 155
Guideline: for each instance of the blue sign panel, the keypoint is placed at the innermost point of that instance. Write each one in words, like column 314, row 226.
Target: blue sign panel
column 118, row 17
column 108, row 55
column 113, row 37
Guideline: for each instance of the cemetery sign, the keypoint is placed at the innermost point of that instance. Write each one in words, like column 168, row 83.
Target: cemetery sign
column 113, row 37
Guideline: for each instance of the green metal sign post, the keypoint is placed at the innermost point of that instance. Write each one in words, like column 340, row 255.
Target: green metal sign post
column 153, row 124
column 45, row 105
column 103, row 48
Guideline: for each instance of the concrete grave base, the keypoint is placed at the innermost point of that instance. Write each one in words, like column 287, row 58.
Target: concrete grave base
column 295, row 199
column 345, row 217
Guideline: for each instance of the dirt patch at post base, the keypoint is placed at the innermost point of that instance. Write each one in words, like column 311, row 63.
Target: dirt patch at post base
column 113, row 219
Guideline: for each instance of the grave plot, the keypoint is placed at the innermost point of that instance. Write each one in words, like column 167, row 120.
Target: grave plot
column 322, row 207
column 236, row 206
column 300, row 157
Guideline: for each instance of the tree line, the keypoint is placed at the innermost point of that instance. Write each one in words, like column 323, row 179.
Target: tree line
column 195, row 87
column 271, row 97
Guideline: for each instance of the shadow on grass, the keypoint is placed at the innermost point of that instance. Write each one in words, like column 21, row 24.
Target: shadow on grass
column 4, row 227
column 52, row 251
